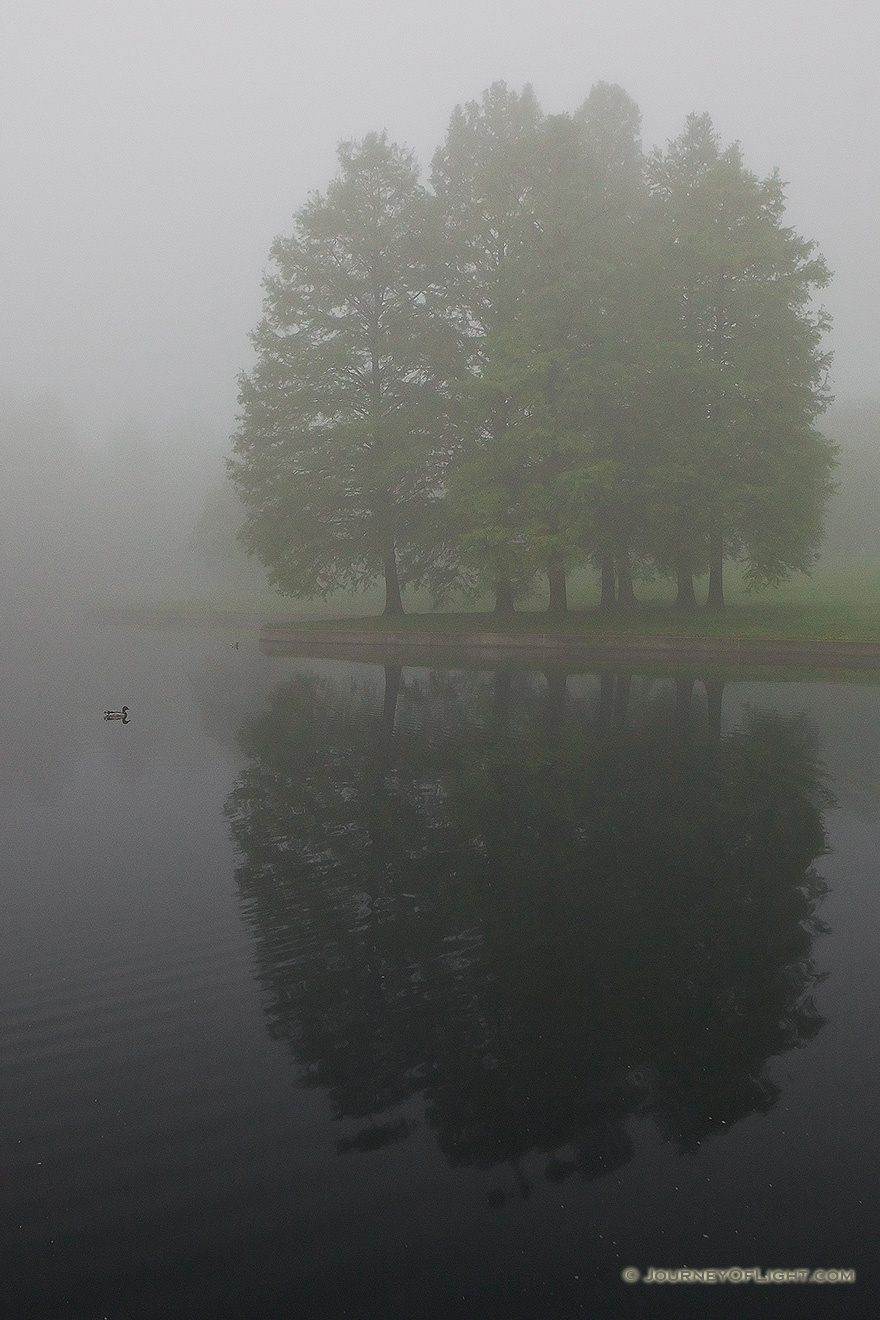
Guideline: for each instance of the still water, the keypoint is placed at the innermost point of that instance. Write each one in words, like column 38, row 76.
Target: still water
column 334, row 990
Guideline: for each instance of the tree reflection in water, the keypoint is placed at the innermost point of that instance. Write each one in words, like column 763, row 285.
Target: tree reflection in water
column 541, row 906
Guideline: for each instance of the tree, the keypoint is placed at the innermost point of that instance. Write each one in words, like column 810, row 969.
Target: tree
column 485, row 178
column 609, row 124
column 741, row 472
column 44, row 537
column 564, row 361
column 542, row 360
column 532, row 213
column 346, row 429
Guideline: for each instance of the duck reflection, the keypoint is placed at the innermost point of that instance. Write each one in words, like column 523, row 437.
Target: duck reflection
column 541, row 904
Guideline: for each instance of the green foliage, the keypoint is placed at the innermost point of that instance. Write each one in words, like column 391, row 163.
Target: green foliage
column 745, row 376
column 555, row 311
column 346, row 420
column 567, row 354
column 486, row 178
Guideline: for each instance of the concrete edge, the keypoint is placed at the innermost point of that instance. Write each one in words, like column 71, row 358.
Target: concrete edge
column 339, row 643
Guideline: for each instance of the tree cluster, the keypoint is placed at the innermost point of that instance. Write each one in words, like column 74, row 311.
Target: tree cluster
column 564, row 352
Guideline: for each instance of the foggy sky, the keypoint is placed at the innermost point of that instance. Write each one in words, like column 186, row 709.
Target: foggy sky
column 151, row 149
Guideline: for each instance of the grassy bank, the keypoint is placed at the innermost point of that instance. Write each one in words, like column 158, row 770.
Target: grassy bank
column 839, row 602
column 760, row 622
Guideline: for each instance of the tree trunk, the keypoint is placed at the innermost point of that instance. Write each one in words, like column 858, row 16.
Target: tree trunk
column 504, row 596
column 556, row 578
column 626, row 596
column 686, row 599
column 608, row 598
column 393, row 603
column 715, row 599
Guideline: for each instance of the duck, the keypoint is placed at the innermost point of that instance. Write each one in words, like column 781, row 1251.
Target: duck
column 117, row 714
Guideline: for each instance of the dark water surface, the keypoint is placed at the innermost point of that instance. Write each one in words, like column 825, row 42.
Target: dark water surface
column 334, row 991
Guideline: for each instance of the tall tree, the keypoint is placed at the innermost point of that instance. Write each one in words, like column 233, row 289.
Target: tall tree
column 609, row 124
column 741, row 473
column 345, row 429
column 548, row 359
column 485, row 179
column 583, row 329
column 534, row 208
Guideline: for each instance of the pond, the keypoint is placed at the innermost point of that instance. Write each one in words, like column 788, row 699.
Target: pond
column 331, row 989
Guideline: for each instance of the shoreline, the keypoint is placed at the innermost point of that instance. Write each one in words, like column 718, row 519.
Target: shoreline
column 380, row 644
column 417, row 647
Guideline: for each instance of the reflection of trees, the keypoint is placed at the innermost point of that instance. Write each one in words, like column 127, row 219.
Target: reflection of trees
column 541, row 912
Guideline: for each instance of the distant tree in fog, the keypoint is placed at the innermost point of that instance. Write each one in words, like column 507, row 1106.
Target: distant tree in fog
column 852, row 526
column 137, row 529
column 44, row 512
column 215, row 541
column 345, row 426
column 739, row 470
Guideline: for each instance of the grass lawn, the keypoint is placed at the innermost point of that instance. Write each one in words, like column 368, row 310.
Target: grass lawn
column 771, row 622
column 840, row 601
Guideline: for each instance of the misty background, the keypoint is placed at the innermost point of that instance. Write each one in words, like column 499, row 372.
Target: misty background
column 151, row 152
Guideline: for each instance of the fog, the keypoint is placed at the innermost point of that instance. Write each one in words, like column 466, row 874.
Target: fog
column 137, row 517
column 150, row 153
